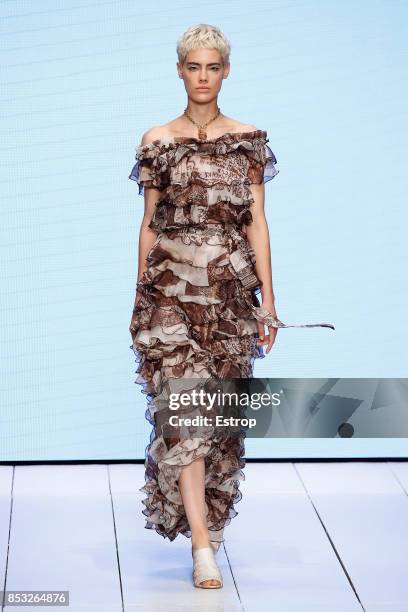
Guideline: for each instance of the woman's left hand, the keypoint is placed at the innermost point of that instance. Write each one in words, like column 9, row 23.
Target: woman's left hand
column 270, row 338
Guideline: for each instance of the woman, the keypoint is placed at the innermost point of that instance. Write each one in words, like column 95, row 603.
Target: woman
column 204, row 256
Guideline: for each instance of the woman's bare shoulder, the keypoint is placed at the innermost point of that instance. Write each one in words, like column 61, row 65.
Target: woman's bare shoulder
column 167, row 130
column 238, row 126
column 246, row 127
column 152, row 134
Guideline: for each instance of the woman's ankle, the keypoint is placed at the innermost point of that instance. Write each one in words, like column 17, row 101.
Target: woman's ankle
column 200, row 540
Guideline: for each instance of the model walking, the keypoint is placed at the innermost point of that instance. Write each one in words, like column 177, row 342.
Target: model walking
column 204, row 257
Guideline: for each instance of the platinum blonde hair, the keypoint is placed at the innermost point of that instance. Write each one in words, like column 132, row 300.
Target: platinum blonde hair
column 203, row 35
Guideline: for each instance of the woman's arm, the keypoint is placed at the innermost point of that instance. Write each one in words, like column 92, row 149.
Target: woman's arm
column 258, row 237
column 146, row 235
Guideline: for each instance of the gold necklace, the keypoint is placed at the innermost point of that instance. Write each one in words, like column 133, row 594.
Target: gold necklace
column 202, row 134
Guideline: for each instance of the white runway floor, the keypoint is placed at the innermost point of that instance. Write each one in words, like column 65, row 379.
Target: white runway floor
column 309, row 537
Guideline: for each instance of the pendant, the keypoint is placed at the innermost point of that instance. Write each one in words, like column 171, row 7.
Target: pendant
column 202, row 134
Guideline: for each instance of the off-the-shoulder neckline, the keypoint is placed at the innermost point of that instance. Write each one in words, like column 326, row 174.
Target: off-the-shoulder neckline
column 187, row 139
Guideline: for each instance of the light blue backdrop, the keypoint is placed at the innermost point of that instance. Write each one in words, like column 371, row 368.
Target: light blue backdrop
column 81, row 82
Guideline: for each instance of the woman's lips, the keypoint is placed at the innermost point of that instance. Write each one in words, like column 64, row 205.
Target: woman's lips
column 203, row 88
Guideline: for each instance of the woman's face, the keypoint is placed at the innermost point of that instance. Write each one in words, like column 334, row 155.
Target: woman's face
column 203, row 68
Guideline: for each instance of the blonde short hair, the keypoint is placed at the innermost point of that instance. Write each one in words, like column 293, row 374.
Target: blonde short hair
column 203, row 35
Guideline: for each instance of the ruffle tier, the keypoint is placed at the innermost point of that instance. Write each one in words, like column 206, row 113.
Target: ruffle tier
column 155, row 161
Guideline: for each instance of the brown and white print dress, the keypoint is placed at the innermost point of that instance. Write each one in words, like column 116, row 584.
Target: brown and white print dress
column 198, row 312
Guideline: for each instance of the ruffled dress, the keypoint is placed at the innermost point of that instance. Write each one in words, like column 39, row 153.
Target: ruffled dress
column 199, row 308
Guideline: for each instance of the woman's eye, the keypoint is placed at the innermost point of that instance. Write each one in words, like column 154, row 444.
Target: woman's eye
column 213, row 68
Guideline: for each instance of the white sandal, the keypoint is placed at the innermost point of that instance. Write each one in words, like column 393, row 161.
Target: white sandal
column 205, row 568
